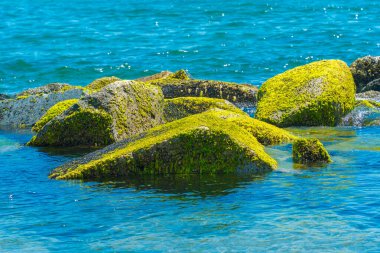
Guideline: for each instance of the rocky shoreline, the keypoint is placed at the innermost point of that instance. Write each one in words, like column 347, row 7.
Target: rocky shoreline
column 170, row 123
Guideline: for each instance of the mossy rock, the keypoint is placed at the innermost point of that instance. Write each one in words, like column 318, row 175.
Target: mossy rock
column 316, row 94
column 161, row 75
column 199, row 144
column 179, row 84
column 100, row 83
column 177, row 108
column 54, row 111
column 310, row 151
column 116, row 112
column 365, row 70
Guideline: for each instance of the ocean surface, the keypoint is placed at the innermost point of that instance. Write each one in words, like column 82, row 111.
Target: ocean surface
column 330, row 209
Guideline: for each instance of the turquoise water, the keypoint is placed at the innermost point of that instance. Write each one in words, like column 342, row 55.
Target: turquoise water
column 330, row 209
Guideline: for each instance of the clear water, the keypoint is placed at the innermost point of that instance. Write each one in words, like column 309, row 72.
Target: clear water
column 331, row 209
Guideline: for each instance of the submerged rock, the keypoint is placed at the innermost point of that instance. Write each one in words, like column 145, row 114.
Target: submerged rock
column 177, row 108
column 365, row 113
column 316, row 94
column 309, row 151
column 100, row 83
column 199, row 144
column 365, row 70
column 31, row 104
column 117, row 111
column 179, row 84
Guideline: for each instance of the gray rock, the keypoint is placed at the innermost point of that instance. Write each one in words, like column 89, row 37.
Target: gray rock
column 26, row 110
column 364, row 71
column 373, row 85
column 4, row 96
column 47, row 89
column 118, row 111
column 369, row 95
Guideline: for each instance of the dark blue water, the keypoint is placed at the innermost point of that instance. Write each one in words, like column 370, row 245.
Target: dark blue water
column 331, row 209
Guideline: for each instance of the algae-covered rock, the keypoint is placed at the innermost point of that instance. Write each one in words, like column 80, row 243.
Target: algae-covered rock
column 179, row 84
column 100, row 83
column 162, row 74
column 373, row 85
column 265, row 133
column 316, row 94
column 177, row 108
column 198, row 144
column 309, row 151
column 364, row 71
column 54, row 111
column 30, row 105
column 117, row 111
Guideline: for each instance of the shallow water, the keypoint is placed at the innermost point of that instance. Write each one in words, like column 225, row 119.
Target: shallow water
column 329, row 209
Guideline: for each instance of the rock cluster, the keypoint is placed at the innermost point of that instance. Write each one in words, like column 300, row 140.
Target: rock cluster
column 172, row 124
column 366, row 73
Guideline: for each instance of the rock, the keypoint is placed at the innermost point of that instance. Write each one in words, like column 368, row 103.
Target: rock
column 309, row 151
column 177, row 108
column 316, row 94
column 364, row 71
column 369, row 95
column 116, row 112
column 373, row 85
column 54, row 111
column 365, row 113
column 100, row 83
column 265, row 133
column 161, row 75
column 4, row 96
column 47, row 89
column 198, row 144
column 179, row 84
column 30, row 105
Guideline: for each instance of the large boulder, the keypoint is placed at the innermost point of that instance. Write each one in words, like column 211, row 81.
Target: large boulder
column 310, row 151
column 116, row 112
column 365, row 70
column 179, row 84
column 316, row 94
column 199, row 144
column 30, row 105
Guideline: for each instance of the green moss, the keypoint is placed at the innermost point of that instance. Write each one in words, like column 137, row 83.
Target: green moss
column 319, row 93
column 54, row 111
column 177, row 108
column 309, row 151
column 22, row 97
column 100, row 83
column 199, row 144
column 89, row 127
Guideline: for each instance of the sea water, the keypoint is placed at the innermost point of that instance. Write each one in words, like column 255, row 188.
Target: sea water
column 335, row 208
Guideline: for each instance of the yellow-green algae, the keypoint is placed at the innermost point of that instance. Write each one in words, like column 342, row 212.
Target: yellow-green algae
column 100, row 83
column 54, row 111
column 265, row 133
column 309, row 151
column 367, row 103
column 319, row 93
column 199, row 144
column 181, row 107
column 85, row 126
